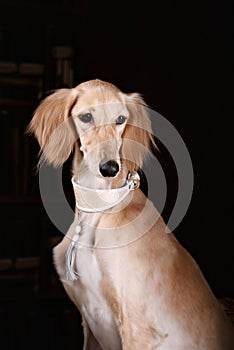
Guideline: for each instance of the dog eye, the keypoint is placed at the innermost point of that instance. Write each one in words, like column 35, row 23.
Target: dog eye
column 121, row 119
column 86, row 118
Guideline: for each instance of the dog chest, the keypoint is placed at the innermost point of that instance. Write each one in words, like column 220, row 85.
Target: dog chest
column 93, row 305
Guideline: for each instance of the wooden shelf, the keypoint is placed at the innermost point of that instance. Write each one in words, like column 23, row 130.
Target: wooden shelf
column 54, row 8
column 21, row 81
column 11, row 198
column 16, row 102
column 33, row 199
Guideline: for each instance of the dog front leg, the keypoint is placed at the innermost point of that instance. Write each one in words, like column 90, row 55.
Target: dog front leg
column 138, row 337
column 90, row 342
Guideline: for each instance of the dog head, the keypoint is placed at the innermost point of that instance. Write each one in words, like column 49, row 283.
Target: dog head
column 106, row 127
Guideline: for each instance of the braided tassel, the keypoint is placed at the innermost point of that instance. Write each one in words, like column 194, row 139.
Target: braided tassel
column 70, row 259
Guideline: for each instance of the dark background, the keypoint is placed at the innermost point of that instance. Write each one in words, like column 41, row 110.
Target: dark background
column 170, row 54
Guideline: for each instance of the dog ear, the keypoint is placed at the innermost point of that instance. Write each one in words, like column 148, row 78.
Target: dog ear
column 52, row 126
column 137, row 137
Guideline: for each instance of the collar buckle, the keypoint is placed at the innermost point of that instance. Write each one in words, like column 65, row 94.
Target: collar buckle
column 134, row 183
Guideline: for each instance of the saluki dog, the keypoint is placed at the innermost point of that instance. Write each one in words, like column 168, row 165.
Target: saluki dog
column 135, row 286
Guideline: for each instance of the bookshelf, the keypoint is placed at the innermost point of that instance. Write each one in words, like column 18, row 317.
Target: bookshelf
column 25, row 248
column 38, row 41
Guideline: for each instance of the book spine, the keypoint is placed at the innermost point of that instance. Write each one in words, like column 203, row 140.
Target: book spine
column 15, row 159
column 4, row 151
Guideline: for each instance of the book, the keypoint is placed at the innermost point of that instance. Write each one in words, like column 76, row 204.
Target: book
column 8, row 67
column 15, row 159
column 6, row 264
column 29, row 262
column 31, row 69
column 4, row 151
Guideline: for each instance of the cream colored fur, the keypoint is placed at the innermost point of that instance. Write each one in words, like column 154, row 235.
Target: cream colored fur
column 150, row 293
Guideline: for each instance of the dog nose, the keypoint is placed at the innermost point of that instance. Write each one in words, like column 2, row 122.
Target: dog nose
column 109, row 169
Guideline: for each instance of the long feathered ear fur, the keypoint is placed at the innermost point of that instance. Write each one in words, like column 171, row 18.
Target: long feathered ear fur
column 52, row 126
column 137, row 137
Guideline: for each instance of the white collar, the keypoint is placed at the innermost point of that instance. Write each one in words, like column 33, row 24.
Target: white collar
column 92, row 200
